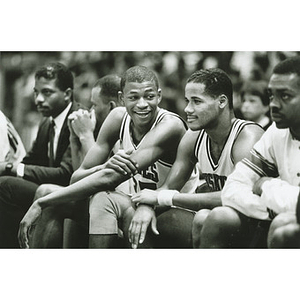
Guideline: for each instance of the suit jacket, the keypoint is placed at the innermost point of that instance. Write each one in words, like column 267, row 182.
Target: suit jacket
column 37, row 161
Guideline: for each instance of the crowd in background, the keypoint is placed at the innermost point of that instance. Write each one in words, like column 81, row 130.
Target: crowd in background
column 172, row 67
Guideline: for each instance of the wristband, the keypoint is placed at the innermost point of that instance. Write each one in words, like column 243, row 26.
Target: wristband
column 165, row 197
column 20, row 170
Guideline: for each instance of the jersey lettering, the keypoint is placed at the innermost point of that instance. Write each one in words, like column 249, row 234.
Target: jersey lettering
column 150, row 173
column 214, row 181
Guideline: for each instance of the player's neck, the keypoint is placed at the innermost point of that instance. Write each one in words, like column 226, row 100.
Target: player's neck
column 220, row 132
column 295, row 133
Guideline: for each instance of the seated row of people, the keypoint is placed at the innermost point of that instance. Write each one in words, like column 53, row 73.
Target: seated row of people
column 140, row 178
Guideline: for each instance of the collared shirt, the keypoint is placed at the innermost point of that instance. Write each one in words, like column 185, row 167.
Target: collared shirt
column 59, row 121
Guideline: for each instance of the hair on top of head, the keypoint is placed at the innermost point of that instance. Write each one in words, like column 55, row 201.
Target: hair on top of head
column 139, row 74
column 288, row 66
column 258, row 88
column 63, row 76
column 110, row 86
column 216, row 82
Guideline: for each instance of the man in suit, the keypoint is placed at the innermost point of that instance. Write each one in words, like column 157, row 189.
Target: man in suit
column 49, row 160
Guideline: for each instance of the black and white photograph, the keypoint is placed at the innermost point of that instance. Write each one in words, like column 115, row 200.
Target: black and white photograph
column 132, row 163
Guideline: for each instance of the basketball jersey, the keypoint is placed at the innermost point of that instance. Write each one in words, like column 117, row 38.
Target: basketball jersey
column 154, row 176
column 215, row 174
column 11, row 149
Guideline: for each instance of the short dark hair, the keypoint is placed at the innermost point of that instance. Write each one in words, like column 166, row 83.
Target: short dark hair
column 63, row 76
column 139, row 74
column 216, row 82
column 110, row 86
column 258, row 88
column 288, row 66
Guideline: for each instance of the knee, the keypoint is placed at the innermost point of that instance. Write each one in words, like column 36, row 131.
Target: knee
column 284, row 232
column 220, row 228
column 44, row 189
column 282, row 219
column 200, row 218
column 223, row 217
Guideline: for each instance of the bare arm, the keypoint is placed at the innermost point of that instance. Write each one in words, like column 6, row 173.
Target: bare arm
column 81, row 128
column 238, row 190
column 99, row 152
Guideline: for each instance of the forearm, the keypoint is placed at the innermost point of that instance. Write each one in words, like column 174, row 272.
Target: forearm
column 279, row 196
column 237, row 193
column 79, row 149
column 103, row 180
column 79, row 174
column 197, row 201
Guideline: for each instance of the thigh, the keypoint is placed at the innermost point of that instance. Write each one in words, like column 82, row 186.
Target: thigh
column 17, row 192
column 107, row 212
column 175, row 228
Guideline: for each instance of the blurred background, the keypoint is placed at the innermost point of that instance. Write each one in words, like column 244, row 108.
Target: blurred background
column 17, row 71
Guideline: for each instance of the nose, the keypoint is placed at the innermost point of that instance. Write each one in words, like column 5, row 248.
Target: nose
column 188, row 109
column 39, row 99
column 142, row 103
column 274, row 102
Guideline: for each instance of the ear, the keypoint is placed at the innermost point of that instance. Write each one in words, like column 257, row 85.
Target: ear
column 121, row 97
column 223, row 100
column 159, row 95
column 68, row 94
column 112, row 105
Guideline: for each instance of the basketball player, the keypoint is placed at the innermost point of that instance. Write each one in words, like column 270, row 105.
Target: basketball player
column 216, row 142
column 155, row 134
column 267, row 184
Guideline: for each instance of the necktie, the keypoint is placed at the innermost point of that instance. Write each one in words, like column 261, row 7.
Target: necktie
column 51, row 142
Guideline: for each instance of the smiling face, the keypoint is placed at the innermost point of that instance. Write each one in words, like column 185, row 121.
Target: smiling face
column 49, row 99
column 284, row 91
column 141, row 101
column 202, row 110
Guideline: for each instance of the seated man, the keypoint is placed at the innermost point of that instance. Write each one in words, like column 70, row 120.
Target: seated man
column 267, row 184
column 84, row 127
column 150, row 136
column 215, row 143
column 12, row 150
column 49, row 160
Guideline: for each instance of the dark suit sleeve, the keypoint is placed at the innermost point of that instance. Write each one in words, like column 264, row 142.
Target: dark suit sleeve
column 56, row 175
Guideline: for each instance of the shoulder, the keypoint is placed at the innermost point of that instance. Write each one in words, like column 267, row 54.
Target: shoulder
column 250, row 130
column 112, row 123
column 189, row 140
column 172, row 120
column 117, row 113
column 246, row 139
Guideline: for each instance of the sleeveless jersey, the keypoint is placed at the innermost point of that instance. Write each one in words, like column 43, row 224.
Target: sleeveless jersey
column 154, row 176
column 215, row 174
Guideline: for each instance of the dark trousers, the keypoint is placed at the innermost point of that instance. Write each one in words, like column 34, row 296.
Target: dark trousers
column 16, row 196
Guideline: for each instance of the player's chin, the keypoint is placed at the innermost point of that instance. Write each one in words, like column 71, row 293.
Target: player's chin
column 194, row 126
column 281, row 124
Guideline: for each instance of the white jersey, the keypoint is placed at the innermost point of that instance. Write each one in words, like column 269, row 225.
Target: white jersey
column 215, row 174
column 154, row 176
column 11, row 149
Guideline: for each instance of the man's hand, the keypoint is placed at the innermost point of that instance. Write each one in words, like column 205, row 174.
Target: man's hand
column 122, row 163
column 29, row 219
column 258, row 184
column 144, row 215
column 145, row 196
column 81, row 123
